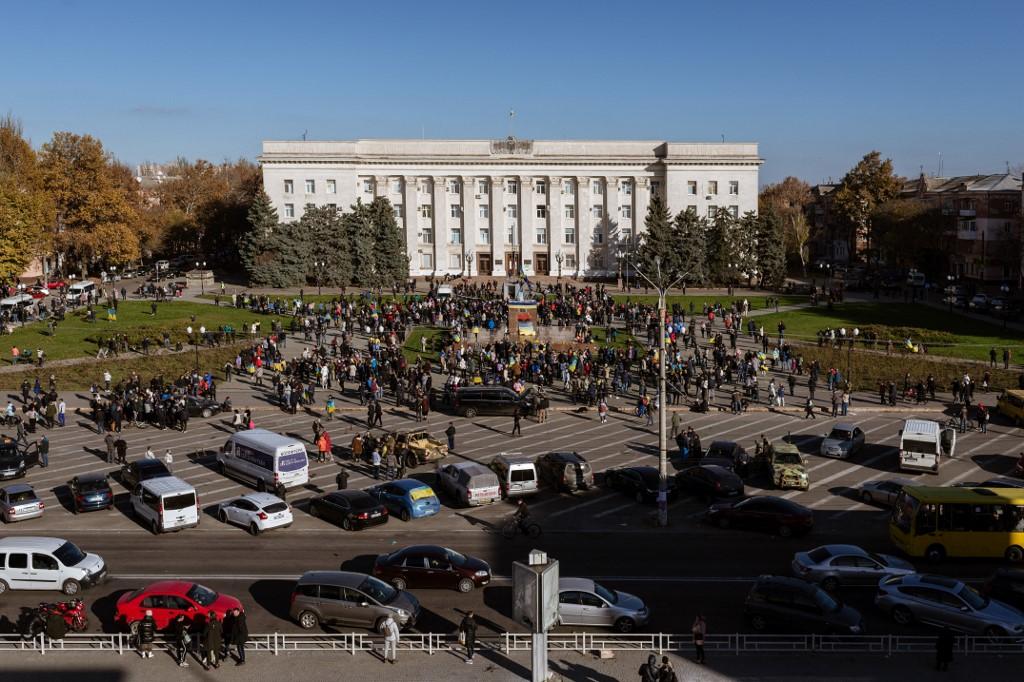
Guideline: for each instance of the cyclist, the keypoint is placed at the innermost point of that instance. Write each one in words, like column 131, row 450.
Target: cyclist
column 522, row 515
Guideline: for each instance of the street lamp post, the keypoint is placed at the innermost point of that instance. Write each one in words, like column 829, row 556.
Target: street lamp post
column 318, row 266
column 201, row 267
column 469, row 263
column 950, row 291
column 558, row 259
column 1005, row 289
column 195, row 340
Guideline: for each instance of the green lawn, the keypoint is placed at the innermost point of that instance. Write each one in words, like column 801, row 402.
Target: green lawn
column 953, row 335
column 77, row 338
column 698, row 301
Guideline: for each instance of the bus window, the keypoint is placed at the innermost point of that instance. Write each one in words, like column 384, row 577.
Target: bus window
column 925, row 520
column 954, row 517
column 903, row 512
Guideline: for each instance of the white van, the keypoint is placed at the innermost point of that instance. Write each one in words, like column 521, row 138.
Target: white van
column 36, row 563
column 444, row 292
column 166, row 503
column 17, row 301
column 923, row 443
column 517, row 474
column 79, row 291
column 265, row 459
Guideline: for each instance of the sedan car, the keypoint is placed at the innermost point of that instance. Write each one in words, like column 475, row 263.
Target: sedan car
column 19, row 502
column 582, row 601
column 199, row 406
column 833, row 565
column 566, row 470
column 432, row 566
column 351, row 509
column 141, row 470
column 764, row 513
column 256, row 512
column 90, row 492
column 709, row 480
column 843, row 441
column 406, row 498
column 731, row 451
column 777, row 603
column 641, row 482
column 946, row 602
column 883, row 493
column 14, row 460
column 167, row 599
column 979, row 302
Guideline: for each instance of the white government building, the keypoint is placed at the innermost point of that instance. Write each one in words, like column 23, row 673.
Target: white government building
column 492, row 207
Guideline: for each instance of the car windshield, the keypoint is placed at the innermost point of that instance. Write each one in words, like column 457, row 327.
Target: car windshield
column 878, row 558
column 826, row 603
column 92, row 485
column 69, row 554
column 21, row 496
column 378, row 590
column 362, row 502
column 841, row 434
column 610, row 596
column 456, row 558
column 203, row 596
column 972, row 597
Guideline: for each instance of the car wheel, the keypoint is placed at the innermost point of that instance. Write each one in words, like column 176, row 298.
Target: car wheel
column 222, row 516
column 207, row 413
column 3, row 587
column 867, row 497
column 155, row 527
column 785, row 531
column 624, row 625
column 254, row 530
column 133, row 628
column 935, row 553
column 1015, row 554
column 313, row 510
column 405, row 515
column 470, row 413
column 466, row 585
column 830, row 584
column 399, row 584
column 346, row 524
column 902, row 615
column 308, row 620
column 639, row 497
column 758, row 623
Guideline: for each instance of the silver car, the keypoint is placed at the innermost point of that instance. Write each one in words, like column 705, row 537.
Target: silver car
column 584, row 602
column 883, row 492
column 844, row 440
column 19, row 502
column 946, row 602
column 833, row 565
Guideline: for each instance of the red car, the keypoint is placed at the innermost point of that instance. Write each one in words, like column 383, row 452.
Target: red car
column 167, row 599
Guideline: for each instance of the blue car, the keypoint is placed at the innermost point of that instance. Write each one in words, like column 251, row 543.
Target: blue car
column 90, row 492
column 406, row 498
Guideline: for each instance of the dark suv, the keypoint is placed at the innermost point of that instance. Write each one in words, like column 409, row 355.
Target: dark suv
column 567, row 471
column 782, row 603
column 473, row 400
column 15, row 461
column 134, row 473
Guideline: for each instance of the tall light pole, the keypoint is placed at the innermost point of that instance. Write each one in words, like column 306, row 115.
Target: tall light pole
column 202, row 276
column 469, row 264
column 195, row 340
column 318, row 266
column 559, row 258
column 662, row 422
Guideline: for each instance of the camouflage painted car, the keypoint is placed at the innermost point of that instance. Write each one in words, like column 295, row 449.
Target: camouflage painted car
column 787, row 466
column 419, row 445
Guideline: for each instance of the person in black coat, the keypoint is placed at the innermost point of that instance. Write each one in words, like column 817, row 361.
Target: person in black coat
column 236, row 632
column 182, row 639
column 467, row 633
column 146, row 635
column 944, row 650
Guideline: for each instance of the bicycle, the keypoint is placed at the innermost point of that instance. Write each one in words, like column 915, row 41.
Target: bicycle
column 513, row 527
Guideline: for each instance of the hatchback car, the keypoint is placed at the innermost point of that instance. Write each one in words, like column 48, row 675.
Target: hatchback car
column 946, row 602
column 764, row 513
column 582, row 601
column 641, row 483
column 432, row 566
column 883, row 493
column 730, row 451
column 709, row 480
column 350, row 599
column 141, row 470
column 351, row 509
column 833, row 565
column 169, row 598
column 566, row 470
column 844, row 440
column 1006, row 585
column 256, row 512
column 90, row 492
column 19, row 502
column 199, row 406
column 406, row 498
column 777, row 603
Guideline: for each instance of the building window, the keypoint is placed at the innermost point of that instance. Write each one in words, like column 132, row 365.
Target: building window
column 598, row 237
column 512, row 187
column 428, row 236
column 542, row 235
column 396, row 185
column 455, row 211
column 712, row 210
column 570, row 211
column 426, row 211
column 655, row 186
column 454, row 187
column 396, row 209
column 512, row 211
column 426, row 261
column 713, row 187
column 310, row 186
column 570, row 234
column 484, row 235
column 626, row 211
column 541, row 187
column 598, row 211
column 542, row 211
column 368, row 186
column 734, row 211
column 310, row 206
column 454, row 260
column 333, row 207
column 289, row 186
column 510, row 235
column 627, row 187
column 570, row 261
column 289, row 210
column 691, row 187
column 734, row 187
column 455, row 235
column 569, row 187
column 425, row 187
column 968, row 226
column 332, row 186
column 597, row 187
column 484, row 211
column 481, row 187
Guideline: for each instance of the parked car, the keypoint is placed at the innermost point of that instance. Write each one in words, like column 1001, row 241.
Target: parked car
column 14, row 460
column 843, row 441
column 199, row 406
column 764, row 513
column 565, row 470
column 41, row 563
column 978, row 302
column 787, row 467
column 19, row 502
column 582, row 601
column 833, row 565
column 470, row 483
column 781, row 603
column 350, row 599
column 406, row 498
column 730, row 451
column 167, row 599
column 882, row 492
column 709, row 480
column 640, row 482
column 90, row 492
column 1006, row 585
column 946, row 602
column 432, row 566
column 470, row 401
column 351, row 509
column 256, row 512
column 141, row 470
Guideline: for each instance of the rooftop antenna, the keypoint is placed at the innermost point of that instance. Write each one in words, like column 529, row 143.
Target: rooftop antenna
column 940, row 165
column 304, row 132
column 511, row 117
column 723, row 137
column 1007, row 167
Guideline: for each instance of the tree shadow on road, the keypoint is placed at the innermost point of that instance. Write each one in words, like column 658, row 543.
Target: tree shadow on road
column 578, row 672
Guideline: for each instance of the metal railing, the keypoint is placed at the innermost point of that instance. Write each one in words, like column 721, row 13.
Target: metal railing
column 507, row 643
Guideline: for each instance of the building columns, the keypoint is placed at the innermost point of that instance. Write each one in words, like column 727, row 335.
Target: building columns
column 498, row 225
column 585, row 226
column 411, row 222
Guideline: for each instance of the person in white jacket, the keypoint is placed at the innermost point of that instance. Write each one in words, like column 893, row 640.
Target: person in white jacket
column 390, row 639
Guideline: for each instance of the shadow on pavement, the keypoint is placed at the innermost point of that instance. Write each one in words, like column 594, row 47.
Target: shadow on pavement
column 274, row 596
column 105, row 608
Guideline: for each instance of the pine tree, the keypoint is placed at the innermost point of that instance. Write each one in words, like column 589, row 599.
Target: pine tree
column 323, row 233
column 390, row 260
column 257, row 251
column 689, row 233
column 771, row 250
column 743, row 245
column 358, row 240
column 659, row 241
column 717, row 247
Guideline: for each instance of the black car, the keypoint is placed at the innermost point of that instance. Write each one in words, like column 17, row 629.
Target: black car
column 470, row 401
column 641, row 483
column 764, row 513
column 90, row 492
column 141, row 470
column 199, row 406
column 351, row 509
column 1006, row 585
column 15, row 461
column 709, row 480
column 432, row 566
column 567, row 471
column 722, row 451
column 777, row 603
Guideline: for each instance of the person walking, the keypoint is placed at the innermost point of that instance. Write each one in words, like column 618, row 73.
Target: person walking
column 182, row 639
column 517, row 428
column 809, row 409
column 649, row 671
column 467, row 635
column 375, row 463
column 213, row 640
column 109, row 441
column 43, row 447
column 835, row 403
column 944, row 650
column 602, row 411
column 237, row 631
column 666, row 673
column 342, row 478
column 390, row 630
column 62, row 409
column 450, row 432
column 699, row 630
column 146, row 635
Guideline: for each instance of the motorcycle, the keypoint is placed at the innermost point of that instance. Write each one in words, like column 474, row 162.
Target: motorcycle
column 73, row 612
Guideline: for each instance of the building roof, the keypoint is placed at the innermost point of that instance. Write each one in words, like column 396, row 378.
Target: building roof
column 997, row 182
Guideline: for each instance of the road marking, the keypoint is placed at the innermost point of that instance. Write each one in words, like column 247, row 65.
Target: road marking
column 614, row 509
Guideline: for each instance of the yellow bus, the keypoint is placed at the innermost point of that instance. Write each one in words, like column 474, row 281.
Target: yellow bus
column 940, row 522
column 1011, row 404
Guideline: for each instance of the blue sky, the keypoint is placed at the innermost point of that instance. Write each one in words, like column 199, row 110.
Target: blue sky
column 818, row 84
